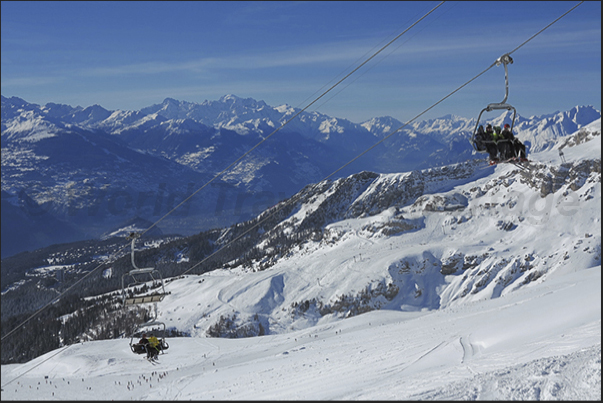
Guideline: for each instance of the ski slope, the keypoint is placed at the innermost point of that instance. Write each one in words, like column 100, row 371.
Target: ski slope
column 541, row 342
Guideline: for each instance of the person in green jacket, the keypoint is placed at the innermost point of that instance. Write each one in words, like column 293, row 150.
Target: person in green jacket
column 153, row 347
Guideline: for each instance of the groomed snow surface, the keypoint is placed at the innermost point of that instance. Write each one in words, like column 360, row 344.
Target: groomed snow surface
column 513, row 337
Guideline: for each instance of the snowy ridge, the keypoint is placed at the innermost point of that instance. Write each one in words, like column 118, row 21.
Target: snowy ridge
column 459, row 282
column 246, row 115
column 544, row 135
column 28, row 127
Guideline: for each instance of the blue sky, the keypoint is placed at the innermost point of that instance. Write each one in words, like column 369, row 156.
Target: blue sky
column 129, row 55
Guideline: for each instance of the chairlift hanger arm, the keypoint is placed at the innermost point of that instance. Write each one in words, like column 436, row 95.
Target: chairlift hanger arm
column 504, row 60
column 134, row 236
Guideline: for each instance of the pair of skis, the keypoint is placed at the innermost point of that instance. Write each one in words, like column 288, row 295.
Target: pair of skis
column 153, row 360
column 518, row 162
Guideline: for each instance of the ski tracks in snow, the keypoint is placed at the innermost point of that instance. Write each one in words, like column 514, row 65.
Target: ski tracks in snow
column 469, row 351
column 469, row 348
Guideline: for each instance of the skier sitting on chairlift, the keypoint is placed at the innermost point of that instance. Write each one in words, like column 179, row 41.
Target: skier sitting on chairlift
column 490, row 143
column 504, row 144
column 141, row 346
column 516, row 149
column 143, row 341
column 152, row 347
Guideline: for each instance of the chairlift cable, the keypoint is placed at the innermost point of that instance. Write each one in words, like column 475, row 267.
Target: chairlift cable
column 60, row 295
column 358, row 61
column 36, row 366
column 376, row 63
column 539, row 32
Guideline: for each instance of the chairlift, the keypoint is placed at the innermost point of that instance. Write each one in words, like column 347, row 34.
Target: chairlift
column 138, row 277
column 478, row 144
column 157, row 329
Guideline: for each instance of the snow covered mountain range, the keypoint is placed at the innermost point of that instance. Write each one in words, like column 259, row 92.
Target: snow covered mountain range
column 462, row 281
column 73, row 173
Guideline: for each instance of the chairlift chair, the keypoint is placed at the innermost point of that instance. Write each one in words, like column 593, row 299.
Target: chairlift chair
column 477, row 145
column 139, row 276
column 157, row 328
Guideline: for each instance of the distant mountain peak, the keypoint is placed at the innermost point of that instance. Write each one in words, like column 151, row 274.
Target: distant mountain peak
column 228, row 98
column 232, row 100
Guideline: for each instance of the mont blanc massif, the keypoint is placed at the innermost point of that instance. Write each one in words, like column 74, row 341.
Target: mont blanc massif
column 417, row 271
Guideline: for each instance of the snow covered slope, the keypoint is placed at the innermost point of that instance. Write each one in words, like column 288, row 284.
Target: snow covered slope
column 461, row 282
column 538, row 343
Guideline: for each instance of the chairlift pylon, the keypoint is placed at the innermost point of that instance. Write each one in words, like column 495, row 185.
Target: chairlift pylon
column 503, row 105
